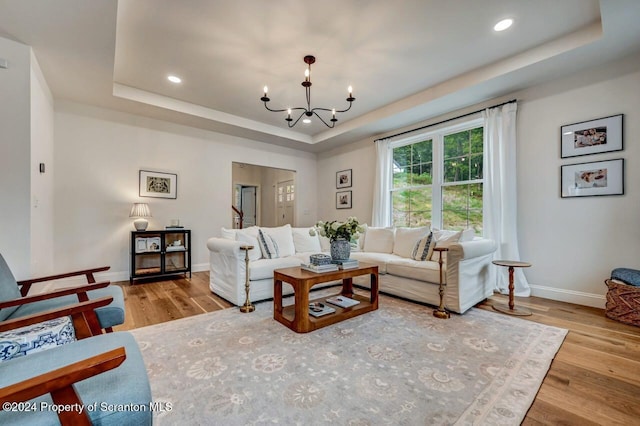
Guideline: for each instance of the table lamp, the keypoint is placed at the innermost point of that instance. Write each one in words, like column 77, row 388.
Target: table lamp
column 140, row 210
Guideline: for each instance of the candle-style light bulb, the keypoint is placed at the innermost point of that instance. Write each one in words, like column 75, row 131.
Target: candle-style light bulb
column 333, row 111
column 266, row 90
column 289, row 112
column 350, row 90
column 306, row 74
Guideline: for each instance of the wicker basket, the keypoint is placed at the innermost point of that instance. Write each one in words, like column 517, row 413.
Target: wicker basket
column 623, row 302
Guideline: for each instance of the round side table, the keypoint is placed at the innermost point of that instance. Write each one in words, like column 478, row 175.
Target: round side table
column 511, row 309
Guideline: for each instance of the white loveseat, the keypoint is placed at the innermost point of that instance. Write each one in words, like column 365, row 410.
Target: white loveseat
column 466, row 266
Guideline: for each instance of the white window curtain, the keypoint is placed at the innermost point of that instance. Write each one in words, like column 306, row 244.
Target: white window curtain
column 381, row 215
column 500, row 193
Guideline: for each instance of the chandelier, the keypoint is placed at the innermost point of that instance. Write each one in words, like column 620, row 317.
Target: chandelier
column 307, row 111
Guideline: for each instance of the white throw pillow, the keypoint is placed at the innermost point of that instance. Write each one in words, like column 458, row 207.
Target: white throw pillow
column 305, row 243
column 255, row 253
column 445, row 239
column 467, row 235
column 268, row 245
column 406, row 239
column 379, row 240
column 283, row 236
column 325, row 243
column 228, row 234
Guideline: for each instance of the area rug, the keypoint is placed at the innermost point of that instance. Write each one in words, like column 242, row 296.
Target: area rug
column 398, row 365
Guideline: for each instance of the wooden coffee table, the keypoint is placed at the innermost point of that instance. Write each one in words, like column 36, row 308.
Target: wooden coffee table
column 297, row 317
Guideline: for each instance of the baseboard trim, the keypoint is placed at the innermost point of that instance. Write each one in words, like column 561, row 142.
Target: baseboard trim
column 569, row 296
column 117, row 276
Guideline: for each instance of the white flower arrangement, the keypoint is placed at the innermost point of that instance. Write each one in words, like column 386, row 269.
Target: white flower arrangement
column 335, row 230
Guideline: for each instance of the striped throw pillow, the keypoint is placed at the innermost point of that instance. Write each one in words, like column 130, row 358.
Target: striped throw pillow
column 268, row 246
column 423, row 248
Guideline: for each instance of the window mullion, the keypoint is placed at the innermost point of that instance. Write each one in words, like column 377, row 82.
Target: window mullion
column 436, row 186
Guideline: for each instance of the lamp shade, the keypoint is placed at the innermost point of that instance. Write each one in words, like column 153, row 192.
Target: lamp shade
column 140, row 210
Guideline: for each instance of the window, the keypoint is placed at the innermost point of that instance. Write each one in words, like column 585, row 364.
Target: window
column 437, row 178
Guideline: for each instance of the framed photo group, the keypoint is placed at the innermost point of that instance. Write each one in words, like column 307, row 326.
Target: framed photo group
column 343, row 180
column 597, row 177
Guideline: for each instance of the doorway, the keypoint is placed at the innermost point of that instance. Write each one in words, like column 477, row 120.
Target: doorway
column 256, row 191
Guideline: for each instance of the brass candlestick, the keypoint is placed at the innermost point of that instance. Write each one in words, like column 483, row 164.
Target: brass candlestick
column 247, row 307
column 441, row 312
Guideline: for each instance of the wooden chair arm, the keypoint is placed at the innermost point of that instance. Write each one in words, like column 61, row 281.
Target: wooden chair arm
column 83, row 315
column 80, row 291
column 26, row 284
column 59, row 383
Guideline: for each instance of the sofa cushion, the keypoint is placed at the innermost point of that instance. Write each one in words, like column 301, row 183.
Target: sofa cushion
column 406, row 239
column 304, row 242
column 378, row 259
column 268, row 245
column 423, row 248
column 263, row 268
column 283, row 236
column 428, row 271
column 379, row 240
column 256, row 252
column 444, row 238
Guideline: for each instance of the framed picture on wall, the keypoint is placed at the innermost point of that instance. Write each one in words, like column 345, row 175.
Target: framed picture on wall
column 591, row 137
column 158, row 185
column 343, row 179
column 592, row 179
column 343, row 200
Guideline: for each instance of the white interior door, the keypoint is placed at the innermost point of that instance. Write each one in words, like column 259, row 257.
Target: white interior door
column 248, row 206
column 285, row 202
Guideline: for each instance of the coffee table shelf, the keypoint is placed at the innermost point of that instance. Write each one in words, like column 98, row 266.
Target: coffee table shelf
column 297, row 317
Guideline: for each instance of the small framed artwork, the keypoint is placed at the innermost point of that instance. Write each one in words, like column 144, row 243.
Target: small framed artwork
column 343, row 179
column 592, row 179
column 343, row 200
column 157, row 184
column 591, row 137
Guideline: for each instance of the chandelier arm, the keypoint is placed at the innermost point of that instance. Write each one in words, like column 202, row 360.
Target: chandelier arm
column 274, row 110
column 333, row 123
column 345, row 110
column 298, row 119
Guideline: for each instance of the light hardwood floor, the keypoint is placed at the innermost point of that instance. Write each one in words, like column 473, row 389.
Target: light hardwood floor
column 593, row 380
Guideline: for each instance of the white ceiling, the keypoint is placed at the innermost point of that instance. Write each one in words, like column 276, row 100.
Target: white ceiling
column 407, row 60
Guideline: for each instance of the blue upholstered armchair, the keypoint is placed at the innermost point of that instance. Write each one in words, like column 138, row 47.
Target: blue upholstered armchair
column 16, row 304
column 100, row 380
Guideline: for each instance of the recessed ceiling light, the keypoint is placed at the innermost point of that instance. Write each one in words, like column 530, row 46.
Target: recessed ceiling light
column 174, row 79
column 503, row 25
column 306, row 121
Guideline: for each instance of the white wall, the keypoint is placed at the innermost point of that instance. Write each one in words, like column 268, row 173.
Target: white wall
column 41, row 183
column 572, row 243
column 15, row 157
column 97, row 158
column 360, row 157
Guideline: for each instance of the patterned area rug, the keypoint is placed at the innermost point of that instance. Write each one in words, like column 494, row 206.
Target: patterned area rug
column 395, row 366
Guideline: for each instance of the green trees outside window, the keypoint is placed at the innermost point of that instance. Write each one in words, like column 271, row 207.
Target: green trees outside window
column 454, row 189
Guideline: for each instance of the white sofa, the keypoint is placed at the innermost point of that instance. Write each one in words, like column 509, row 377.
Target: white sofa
column 466, row 266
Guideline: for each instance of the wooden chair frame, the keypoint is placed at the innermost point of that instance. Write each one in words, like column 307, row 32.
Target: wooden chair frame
column 60, row 384
column 89, row 319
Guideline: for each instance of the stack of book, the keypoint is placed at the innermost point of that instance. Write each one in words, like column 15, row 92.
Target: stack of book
column 342, row 301
column 319, row 259
column 320, row 309
column 319, row 268
column 346, row 264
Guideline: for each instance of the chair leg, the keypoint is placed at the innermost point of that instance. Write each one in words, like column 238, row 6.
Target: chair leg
column 109, row 329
